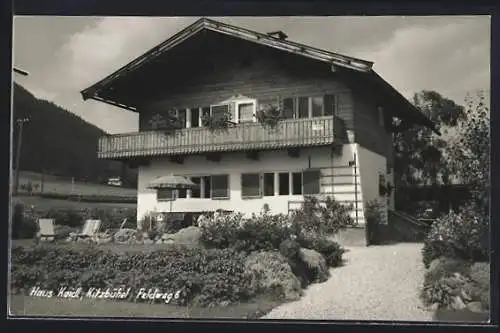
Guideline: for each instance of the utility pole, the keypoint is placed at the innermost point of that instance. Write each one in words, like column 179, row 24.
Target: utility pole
column 20, row 123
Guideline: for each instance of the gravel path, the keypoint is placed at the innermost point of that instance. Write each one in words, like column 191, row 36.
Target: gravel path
column 376, row 283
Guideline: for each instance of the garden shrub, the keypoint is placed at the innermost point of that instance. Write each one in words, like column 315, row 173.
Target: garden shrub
column 272, row 275
column 458, row 235
column 263, row 232
column 24, row 225
column 374, row 215
column 203, row 277
column 324, row 217
column 331, row 250
column 480, row 275
column 445, row 279
column 450, row 278
column 290, row 249
column 316, row 264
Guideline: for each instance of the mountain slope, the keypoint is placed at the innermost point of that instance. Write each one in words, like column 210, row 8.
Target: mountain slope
column 58, row 142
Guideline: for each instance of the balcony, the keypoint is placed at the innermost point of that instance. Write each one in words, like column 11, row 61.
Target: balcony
column 249, row 136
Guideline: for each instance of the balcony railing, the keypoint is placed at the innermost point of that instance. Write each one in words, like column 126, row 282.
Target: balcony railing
column 250, row 136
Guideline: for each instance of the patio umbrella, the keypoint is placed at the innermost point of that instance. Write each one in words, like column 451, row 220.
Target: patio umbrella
column 171, row 182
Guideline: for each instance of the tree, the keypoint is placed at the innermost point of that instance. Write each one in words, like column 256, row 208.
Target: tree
column 469, row 155
column 419, row 153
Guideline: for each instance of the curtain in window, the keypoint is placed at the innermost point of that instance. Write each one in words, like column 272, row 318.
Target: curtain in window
column 250, row 185
column 220, row 186
column 245, row 112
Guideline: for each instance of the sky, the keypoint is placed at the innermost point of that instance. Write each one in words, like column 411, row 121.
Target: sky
column 64, row 55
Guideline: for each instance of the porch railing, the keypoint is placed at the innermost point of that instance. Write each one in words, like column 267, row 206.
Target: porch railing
column 249, row 136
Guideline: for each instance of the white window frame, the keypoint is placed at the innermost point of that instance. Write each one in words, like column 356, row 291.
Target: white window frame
column 228, row 188
column 258, row 196
column 295, row 102
column 239, row 102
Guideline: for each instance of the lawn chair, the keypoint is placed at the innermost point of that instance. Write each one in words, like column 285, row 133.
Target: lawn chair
column 90, row 229
column 46, row 232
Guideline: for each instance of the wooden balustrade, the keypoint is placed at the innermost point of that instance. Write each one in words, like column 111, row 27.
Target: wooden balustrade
column 249, row 136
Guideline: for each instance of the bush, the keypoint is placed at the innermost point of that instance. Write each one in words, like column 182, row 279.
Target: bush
column 331, row 251
column 271, row 274
column 459, row 235
column 290, row 249
column 322, row 219
column 263, row 232
column 480, row 275
column 446, row 278
column 24, row 225
column 203, row 277
column 315, row 262
column 374, row 215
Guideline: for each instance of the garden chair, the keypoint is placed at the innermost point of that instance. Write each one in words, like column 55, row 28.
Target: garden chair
column 90, row 229
column 47, row 232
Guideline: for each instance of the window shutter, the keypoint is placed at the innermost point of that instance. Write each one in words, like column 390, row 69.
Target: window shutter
column 232, row 111
column 310, row 181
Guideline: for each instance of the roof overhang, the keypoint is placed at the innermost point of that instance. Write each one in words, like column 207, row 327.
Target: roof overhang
column 404, row 103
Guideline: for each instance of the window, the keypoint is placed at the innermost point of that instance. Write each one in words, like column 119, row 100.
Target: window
column 219, row 110
column 195, row 117
column 310, row 181
column 207, row 188
column 317, row 106
column 220, row 187
column 297, row 183
column 307, row 107
column 288, row 109
column 284, row 183
column 205, row 110
column 303, row 107
column 164, row 194
column 196, row 192
column 182, row 193
column 329, row 105
column 182, row 115
column 250, row 185
column 246, row 112
column 268, row 184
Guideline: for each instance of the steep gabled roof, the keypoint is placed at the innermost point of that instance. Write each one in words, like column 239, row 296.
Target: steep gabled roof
column 249, row 35
column 349, row 63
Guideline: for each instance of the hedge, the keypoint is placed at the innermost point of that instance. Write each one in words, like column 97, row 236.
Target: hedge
column 198, row 277
column 89, row 198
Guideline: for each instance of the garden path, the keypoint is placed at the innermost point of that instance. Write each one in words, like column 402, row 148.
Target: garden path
column 376, row 283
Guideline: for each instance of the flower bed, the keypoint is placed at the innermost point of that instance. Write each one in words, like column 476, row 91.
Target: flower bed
column 192, row 276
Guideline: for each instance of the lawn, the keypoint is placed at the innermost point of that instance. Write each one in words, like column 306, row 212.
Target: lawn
column 45, row 204
column 53, row 184
column 31, row 306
